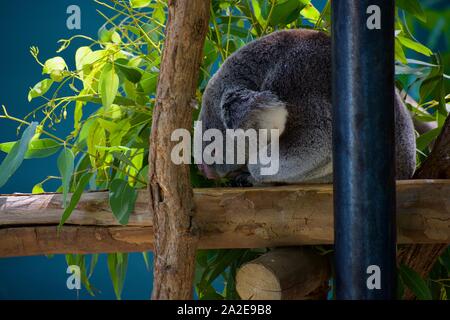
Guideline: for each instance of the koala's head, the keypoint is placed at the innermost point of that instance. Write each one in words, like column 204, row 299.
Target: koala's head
column 210, row 119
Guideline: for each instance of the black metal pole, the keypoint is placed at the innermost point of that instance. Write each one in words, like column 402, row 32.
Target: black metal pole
column 363, row 138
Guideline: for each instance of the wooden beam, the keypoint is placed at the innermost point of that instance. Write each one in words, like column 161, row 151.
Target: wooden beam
column 169, row 185
column 225, row 218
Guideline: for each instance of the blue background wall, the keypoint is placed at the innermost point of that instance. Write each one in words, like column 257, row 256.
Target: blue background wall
column 42, row 23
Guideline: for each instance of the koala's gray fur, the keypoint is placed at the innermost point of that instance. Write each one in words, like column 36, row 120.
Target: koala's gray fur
column 283, row 81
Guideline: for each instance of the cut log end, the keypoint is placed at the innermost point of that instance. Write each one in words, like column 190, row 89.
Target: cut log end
column 284, row 274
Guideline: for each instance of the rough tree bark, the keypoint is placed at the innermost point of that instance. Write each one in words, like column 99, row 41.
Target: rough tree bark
column 422, row 257
column 170, row 190
column 437, row 165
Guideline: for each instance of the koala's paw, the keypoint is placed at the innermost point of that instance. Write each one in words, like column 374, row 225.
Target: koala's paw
column 243, row 180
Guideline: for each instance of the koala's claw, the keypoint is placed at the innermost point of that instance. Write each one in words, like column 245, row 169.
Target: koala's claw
column 243, row 180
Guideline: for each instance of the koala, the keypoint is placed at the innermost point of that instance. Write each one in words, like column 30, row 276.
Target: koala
column 283, row 81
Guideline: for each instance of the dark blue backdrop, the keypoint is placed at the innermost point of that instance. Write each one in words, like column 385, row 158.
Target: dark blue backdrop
column 43, row 23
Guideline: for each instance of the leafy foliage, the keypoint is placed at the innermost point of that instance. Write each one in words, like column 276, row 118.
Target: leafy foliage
column 16, row 155
column 112, row 90
column 413, row 281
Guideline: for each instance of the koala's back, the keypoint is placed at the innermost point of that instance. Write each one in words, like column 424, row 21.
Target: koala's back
column 288, row 63
column 303, row 68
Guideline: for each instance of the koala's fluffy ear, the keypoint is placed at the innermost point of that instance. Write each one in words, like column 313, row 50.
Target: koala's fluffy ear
column 244, row 109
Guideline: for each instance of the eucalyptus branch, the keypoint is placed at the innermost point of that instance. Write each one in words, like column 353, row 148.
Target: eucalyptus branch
column 219, row 37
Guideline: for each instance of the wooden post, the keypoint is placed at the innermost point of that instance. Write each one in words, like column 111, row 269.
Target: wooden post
column 171, row 197
column 422, row 257
column 285, row 274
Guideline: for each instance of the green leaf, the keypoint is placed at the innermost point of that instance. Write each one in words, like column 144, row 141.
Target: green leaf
column 434, row 87
column 399, row 53
column 37, row 148
column 40, row 89
column 82, row 166
column 413, row 7
column 117, row 266
column 55, row 67
column 148, row 83
column 285, row 12
column 109, row 126
column 215, row 268
column 122, row 199
column 96, row 138
column 108, row 35
column 125, row 158
column 146, row 260
column 80, row 56
column 159, row 14
column 139, row 3
column 38, row 189
column 94, row 260
column 132, row 74
column 310, row 13
column 425, row 139
column 82, row 184
column 414, row 282
column 109, row 85
column 88, row 58
column 15, row 157
column 413, row 45
column 54, row 64
column 209, row 293
column 65, row 166
column 257, row 11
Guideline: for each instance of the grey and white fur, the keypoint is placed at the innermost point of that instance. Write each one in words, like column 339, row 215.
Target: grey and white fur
column 283, row 80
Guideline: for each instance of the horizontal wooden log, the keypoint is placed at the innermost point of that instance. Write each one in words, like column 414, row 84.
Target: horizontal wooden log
column 226, row 218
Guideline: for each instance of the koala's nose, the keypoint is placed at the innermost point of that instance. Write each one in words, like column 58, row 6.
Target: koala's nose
column 208, row 171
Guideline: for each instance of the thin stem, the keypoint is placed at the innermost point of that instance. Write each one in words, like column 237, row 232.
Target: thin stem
column 219, row 37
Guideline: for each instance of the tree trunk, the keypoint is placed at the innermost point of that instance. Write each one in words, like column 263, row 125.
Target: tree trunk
column 170, row 189
column 437, row 165
column 422, row 257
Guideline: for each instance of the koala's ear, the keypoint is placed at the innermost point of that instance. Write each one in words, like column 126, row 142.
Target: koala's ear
column 269, row 115
column 244, row 109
